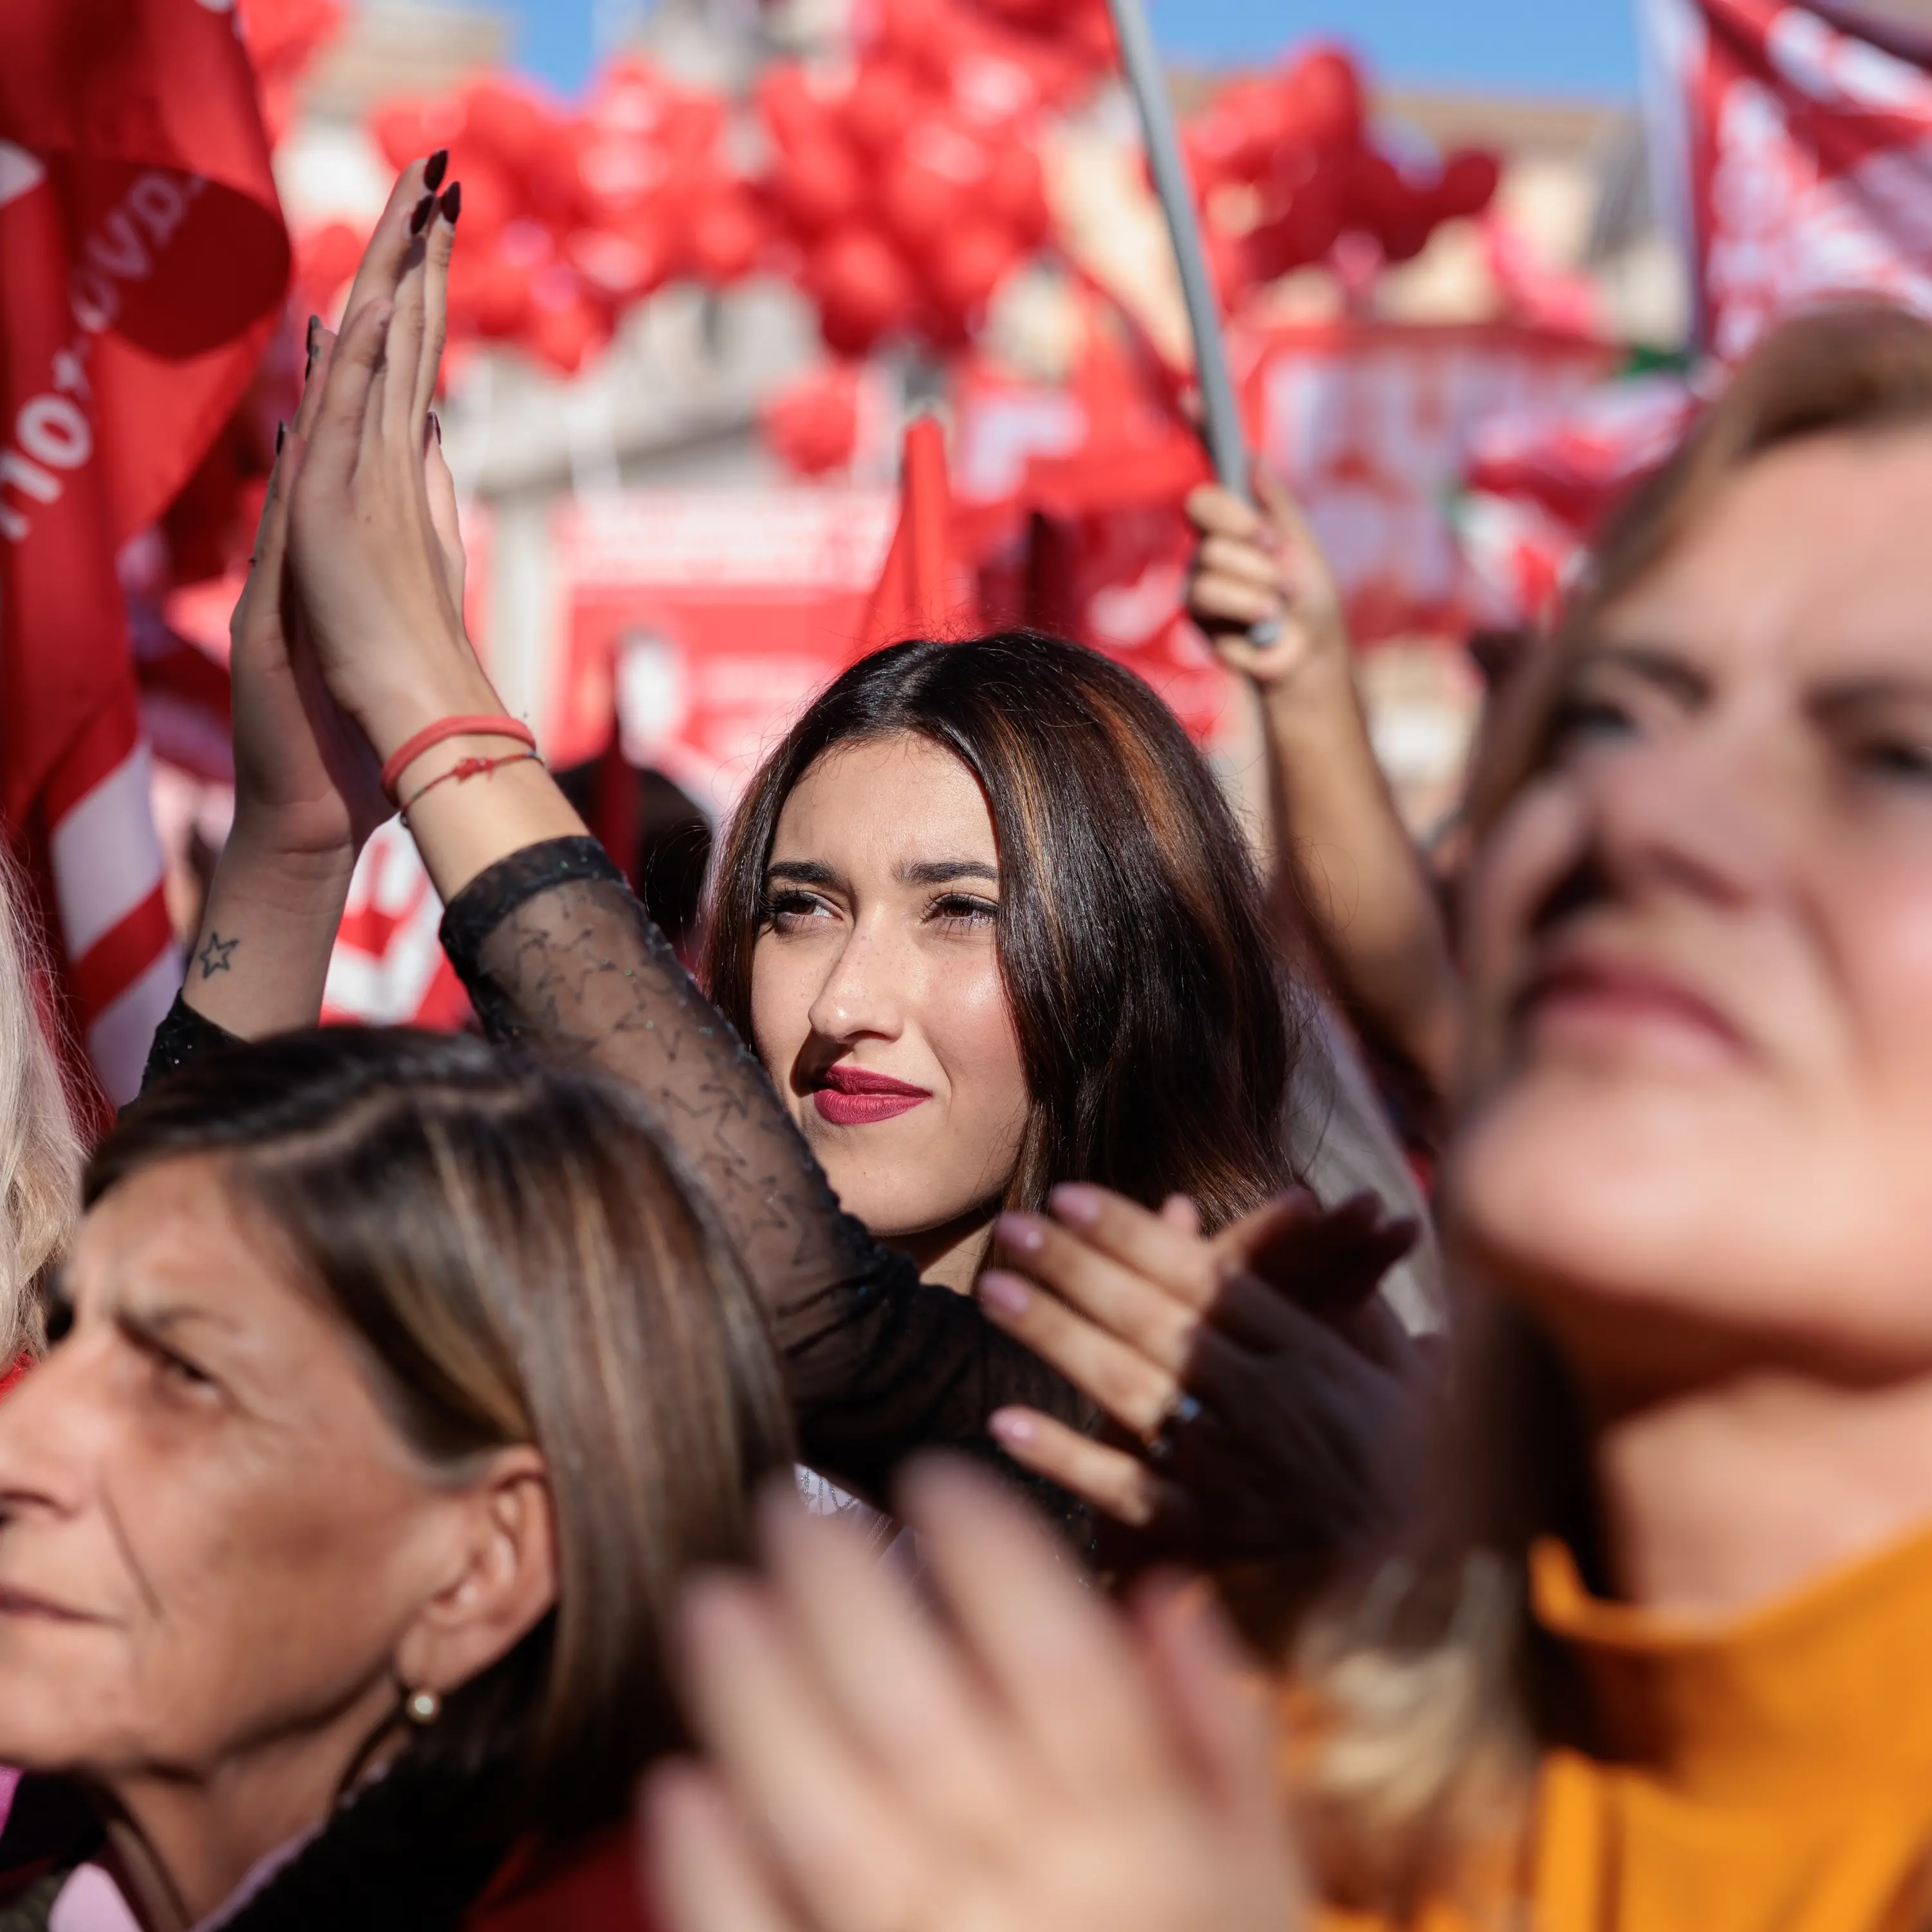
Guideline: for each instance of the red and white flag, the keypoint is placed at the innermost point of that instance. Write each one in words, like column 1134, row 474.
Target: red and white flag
column 1793, row 151
column 142, row 262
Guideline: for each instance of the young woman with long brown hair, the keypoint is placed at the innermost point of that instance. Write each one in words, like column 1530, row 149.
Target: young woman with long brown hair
column 1656, row 1659
column 1037, row 890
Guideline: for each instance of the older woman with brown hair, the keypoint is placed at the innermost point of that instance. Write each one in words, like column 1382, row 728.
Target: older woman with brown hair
column 393, row 1386
column 1656, row 1659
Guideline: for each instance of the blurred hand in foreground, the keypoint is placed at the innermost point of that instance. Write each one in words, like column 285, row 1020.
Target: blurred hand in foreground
column 1036, row 1763
column 1258, row 1384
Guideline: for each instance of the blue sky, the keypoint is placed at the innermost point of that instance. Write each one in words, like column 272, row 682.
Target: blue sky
column 1569, row 46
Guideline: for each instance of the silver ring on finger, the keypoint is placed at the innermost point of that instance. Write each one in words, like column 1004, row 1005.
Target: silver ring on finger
column 1184, row 1410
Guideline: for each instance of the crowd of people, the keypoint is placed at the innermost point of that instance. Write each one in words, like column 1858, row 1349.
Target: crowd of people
column 960, row 1415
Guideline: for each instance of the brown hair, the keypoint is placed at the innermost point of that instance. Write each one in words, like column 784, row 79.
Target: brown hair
column 1431, row 1690
column 1132, row 938
column 520, row 1260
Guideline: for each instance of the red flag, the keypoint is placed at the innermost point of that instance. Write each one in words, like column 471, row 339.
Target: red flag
column 922, row 591
column 1796, row 145
column 143, row 261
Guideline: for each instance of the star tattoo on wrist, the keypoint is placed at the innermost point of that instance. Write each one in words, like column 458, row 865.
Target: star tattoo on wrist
column 215, row 956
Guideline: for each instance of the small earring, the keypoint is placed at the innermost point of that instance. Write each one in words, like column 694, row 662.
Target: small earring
column 424, row 1706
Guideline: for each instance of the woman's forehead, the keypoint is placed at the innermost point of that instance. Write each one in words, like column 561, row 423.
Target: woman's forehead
column 1812, row 559
column 886, row 801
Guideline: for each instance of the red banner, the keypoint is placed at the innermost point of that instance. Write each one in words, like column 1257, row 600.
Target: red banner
column 1372, row 426
column 142, row 262
column 1796, row 152
column 706, row 620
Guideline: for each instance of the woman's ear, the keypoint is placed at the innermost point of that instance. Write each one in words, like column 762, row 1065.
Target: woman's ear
column 501, row 1580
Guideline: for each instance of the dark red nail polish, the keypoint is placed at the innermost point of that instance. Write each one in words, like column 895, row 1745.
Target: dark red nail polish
column 433, row 170
column 314, row 329
column 452, row 202
column 281, row 430
column 420, row 219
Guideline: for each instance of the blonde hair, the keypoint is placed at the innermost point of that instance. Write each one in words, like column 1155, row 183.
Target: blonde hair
column 40, row 1149
column 1429, row 1694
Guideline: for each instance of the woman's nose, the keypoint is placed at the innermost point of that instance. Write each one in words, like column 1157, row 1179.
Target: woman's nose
column 49, row 1435
column 1702, row 812
column 863, row 993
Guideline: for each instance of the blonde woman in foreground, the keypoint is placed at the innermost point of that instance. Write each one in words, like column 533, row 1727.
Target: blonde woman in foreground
column 1656, row 1658
column 40, row 1147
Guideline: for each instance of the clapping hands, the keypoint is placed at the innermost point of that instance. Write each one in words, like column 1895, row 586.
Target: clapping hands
column 1036, row 1762
column 1260, row 1390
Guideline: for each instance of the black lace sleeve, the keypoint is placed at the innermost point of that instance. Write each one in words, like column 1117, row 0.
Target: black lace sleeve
column 182, row 1034
column 558, row 954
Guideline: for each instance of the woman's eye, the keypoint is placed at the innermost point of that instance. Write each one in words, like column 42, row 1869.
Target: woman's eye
column 791, row 911
column 963, row 911
column 1581, row 720
column 174, row 1371
column 1907, row 758
column 178, row 1371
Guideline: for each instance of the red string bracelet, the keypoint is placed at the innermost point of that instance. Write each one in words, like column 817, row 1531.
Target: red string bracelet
column 467, row 768
column 406, row 754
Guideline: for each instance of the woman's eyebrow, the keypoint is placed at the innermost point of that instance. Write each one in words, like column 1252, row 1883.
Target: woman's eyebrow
column 943, row 871
column 806, row 871
column 1655, row 664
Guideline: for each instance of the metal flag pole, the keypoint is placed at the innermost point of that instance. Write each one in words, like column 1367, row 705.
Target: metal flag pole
column 1221, row 421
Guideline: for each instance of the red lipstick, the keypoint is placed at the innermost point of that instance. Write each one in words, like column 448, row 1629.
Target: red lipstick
column 850, row 1096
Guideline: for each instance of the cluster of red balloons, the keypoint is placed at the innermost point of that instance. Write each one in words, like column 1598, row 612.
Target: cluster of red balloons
column 568, row 217
column 1084, row 28
column 1285, row 166
column 909, row 191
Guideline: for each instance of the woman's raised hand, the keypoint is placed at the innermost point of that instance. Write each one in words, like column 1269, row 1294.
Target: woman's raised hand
column 1036, row 1763
column 1261, row 587
column 305, row 786
column 1257, row 1382
column 377, row 562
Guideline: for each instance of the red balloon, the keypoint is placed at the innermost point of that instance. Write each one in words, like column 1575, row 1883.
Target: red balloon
column 813, row 427
column 1377, row 196
column 564, row 325
column 727, row 238
column 819, row 186
column 490, row 201
column 971, row 264
column 1405, row 235
column 693, row 125
column 864, row 289
column 508, row 121
column 1327, row 90
column 1470, row 179
column 406, row 131
column 921, row 207
column 1015, row 193
column 326, row 261
column 884, row 102
column 924, row 36
column 794, row 115
column 618, row 267
column 487, row 294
